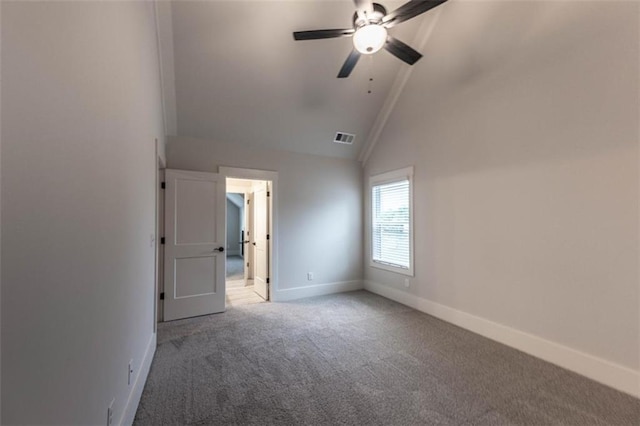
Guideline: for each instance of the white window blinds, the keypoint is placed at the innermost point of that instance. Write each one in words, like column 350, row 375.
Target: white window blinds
column 391, row 241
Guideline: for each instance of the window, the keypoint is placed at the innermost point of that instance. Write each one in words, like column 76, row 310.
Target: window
column 392, row 221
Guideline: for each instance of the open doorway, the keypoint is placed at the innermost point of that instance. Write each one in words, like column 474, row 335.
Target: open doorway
column 236, row 229
column 192, row 206
column 248, row 237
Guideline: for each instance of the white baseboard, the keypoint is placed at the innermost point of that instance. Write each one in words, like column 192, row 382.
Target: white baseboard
column 316, row 290
column 614, row 375
column 138, row 385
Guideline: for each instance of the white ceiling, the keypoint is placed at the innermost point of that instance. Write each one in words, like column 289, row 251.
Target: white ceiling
column 241, row 78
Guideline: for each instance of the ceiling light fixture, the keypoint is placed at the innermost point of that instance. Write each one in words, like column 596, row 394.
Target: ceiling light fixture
column 370, row 38
column 369, row 31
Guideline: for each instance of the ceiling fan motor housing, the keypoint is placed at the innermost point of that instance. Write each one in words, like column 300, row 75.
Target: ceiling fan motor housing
column 379, row 11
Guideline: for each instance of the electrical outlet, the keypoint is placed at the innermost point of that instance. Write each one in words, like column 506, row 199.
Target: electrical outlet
column 110, row 412
column 130, row 373
column 310, row 276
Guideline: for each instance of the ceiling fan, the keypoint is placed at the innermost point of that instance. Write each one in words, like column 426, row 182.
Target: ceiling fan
column 369, row 32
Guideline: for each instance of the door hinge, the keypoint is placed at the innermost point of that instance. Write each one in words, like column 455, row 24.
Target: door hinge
column 267, row 236
column 268, row 194
column 162, row 296
column 248, row 201
column 247, row 264
column 163, row 185
column 162, row 240
column 268, row 281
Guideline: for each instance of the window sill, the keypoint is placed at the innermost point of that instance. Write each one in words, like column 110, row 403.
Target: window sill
column 396, row 269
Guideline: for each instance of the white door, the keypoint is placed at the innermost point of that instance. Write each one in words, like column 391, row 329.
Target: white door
column 195, row 205
column 261, row 240
column 248, row 248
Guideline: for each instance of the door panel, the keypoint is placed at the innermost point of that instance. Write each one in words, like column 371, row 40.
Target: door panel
column 194, row 223
column 194, row 230
column 261, row 230
column 193, row 274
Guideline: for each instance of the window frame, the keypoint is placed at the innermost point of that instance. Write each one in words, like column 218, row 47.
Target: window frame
column 398, row 175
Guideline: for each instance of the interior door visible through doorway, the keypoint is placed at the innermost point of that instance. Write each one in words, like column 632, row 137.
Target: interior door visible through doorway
column 194, row 244
column 261, row 239
column 248, row 234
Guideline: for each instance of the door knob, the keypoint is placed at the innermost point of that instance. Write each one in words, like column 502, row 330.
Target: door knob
column 220, row 249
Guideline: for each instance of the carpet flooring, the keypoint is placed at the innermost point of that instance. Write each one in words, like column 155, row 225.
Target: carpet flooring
column 358, row 359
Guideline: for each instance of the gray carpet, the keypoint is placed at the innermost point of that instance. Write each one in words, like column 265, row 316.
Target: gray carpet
column 358, row 359
column 235, row 268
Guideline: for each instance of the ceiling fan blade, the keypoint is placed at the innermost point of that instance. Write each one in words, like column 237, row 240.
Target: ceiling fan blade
column 402, row 51
column 409, row 10
column 349, row 64
column 320, row 34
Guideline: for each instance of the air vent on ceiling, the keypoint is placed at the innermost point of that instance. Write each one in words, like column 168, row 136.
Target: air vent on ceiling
column 345, row 138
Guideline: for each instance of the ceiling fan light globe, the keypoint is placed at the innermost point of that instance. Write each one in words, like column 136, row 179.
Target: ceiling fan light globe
column 370, row 38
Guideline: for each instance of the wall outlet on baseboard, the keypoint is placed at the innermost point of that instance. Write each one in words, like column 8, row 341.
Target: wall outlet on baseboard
column 110, row 412
column 130, row 372
column 310, row 276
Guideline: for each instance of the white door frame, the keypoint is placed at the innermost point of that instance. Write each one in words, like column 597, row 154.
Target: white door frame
column 159, row 272
column 271, row 176
column 159, row 232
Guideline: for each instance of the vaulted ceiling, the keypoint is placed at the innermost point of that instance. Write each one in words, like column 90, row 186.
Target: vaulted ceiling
column 232, row 72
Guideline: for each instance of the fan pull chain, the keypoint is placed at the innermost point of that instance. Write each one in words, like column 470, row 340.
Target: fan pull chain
column 370, row 82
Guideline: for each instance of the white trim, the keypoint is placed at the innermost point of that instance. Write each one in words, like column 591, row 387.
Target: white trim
column 130, row 409
column 316, row 290
column 239, row 173
column 271, row 176
column 420, row 41
column 164, row 39
column 614, row 375
column 391, row 267
column 156, row 236
column 392, row 176
column 381, row 179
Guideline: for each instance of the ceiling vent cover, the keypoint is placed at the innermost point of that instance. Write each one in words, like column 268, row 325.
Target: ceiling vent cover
column 345, row 138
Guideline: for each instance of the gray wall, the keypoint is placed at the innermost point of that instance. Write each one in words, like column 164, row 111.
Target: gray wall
column 525, row 146
column 319, row 206
column 81, row 109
